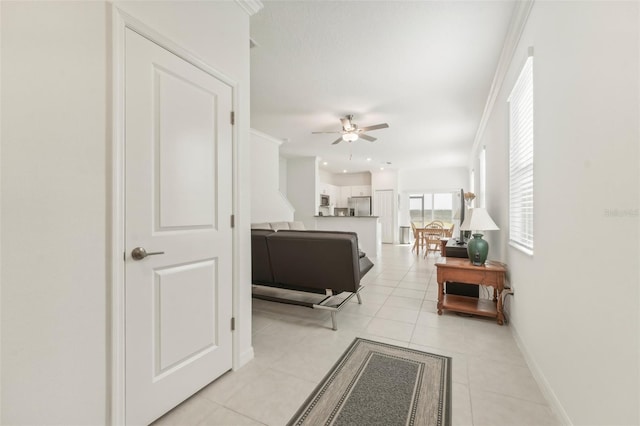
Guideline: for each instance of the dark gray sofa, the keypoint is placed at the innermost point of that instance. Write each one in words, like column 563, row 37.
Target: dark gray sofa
column 324, row 262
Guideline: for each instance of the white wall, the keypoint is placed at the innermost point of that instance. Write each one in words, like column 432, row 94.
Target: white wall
column 282, row 167
column 325, row 176
column 351, row 179
column 428, row 181
column 433, row 180
column 302, row 184
column 575, row 308
column 56, row 175
column 268, row 204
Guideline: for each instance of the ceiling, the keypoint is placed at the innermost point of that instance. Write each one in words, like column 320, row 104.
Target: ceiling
column 424, row 67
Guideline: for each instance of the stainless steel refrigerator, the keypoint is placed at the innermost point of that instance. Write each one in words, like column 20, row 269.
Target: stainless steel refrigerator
column 361, row 206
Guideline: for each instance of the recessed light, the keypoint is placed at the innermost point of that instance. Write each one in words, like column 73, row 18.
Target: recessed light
column 368, row 159
column 324, row 163
column 381, row 168
column 344, row 171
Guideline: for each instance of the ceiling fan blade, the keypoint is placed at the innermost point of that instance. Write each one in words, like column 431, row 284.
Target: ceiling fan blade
column 374, row 127
column 317, row 133
column 367, row 137
column 337, row 140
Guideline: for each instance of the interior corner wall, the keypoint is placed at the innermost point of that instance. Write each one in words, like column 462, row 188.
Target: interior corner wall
column 282, row 166
column 55, row 105
column 268, row 204
column 302, row 188
column 575, row 311
column 55, row 176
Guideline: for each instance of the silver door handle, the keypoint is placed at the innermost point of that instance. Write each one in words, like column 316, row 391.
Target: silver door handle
column 140, row 253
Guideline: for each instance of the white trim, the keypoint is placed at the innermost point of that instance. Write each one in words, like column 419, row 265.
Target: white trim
column 545, row 387
column 266, row 136
column 116, row 367
column 250, row 6
column 244, row 358
column 116, row 393
column 520, row 248
column 1, row 219
column 516, row 28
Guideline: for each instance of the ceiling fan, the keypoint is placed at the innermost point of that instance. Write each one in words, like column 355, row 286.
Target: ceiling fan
column 351, row 132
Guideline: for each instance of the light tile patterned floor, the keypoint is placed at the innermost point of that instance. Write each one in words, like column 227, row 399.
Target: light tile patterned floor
column 295, row 347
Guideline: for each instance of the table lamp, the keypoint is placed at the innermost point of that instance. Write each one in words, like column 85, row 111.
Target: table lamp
column 478, row 219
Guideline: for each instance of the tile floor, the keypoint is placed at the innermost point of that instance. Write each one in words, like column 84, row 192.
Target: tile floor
column 295, row 347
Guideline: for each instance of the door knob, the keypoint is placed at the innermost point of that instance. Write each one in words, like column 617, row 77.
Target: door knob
column 140, row 253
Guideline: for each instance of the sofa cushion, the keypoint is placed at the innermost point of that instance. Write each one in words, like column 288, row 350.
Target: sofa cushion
column 277, row 226
column 260, row 261
column 297, row 226
column 260, row 226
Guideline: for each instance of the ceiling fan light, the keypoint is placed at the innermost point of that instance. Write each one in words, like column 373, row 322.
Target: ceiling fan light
column 349, row 137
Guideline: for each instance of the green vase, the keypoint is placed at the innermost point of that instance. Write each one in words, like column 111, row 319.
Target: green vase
column 477, row 249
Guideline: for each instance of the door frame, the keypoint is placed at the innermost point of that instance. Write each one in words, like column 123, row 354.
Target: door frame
column 115, row 368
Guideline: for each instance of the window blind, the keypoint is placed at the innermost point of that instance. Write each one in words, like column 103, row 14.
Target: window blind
column 521, row 160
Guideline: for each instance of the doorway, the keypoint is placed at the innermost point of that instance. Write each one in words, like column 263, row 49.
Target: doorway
column 173, row 294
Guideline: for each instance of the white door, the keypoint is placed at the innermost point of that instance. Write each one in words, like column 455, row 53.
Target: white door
column 384, row 209
column 178, row 152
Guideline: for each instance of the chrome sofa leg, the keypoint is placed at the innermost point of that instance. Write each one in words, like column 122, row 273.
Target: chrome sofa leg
column 334, row 321
column 359, row 298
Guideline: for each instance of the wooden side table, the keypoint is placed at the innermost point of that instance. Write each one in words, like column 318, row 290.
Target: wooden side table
column 462, row 270
column 443, row 245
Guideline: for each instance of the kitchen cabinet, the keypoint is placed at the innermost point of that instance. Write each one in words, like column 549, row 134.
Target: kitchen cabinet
column 339, row 195
column 361, row 191
column 331, row 190
column 345, row 194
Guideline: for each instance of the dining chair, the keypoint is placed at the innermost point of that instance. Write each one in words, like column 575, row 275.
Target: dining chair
column 418, row 241
column 432, row 234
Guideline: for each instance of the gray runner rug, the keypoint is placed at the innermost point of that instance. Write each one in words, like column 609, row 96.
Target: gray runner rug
column 375, row 383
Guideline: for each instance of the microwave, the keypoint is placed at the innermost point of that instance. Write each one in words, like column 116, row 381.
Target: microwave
column 324, row 200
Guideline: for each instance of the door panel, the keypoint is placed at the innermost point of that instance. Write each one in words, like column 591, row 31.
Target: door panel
column 182, row 298
column 184, row 115
column 178, row 155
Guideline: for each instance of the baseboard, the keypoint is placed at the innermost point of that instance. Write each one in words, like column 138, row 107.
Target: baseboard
column 546, row 389
column 245, row 357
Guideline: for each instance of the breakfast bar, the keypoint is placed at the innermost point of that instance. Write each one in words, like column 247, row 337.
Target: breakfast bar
column 367, row 228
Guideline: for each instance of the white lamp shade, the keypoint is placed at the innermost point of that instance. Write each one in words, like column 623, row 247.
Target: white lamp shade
column 478, row 219
column 349, row 137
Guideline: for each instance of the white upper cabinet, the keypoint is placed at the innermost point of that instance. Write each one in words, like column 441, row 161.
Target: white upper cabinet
column 361, row 191
column 345, row 194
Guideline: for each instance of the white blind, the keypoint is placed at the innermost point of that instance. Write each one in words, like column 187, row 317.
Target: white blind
column 521, row 160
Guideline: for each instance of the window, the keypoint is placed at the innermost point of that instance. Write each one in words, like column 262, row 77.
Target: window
column 424, row 208
column 416, row 209
column 521, row 160
column 472, row 182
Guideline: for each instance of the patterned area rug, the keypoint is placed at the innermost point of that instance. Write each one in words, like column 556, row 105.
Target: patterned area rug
column 375, row 383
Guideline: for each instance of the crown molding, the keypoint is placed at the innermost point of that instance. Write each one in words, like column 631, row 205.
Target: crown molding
column 250, row 6
column 516, row 28
column 266, row 137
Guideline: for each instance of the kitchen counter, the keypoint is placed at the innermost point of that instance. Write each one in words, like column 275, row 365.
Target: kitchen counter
column 367, row 228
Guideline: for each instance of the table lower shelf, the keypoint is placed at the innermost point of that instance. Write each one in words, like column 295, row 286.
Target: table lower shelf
column 470, row 305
